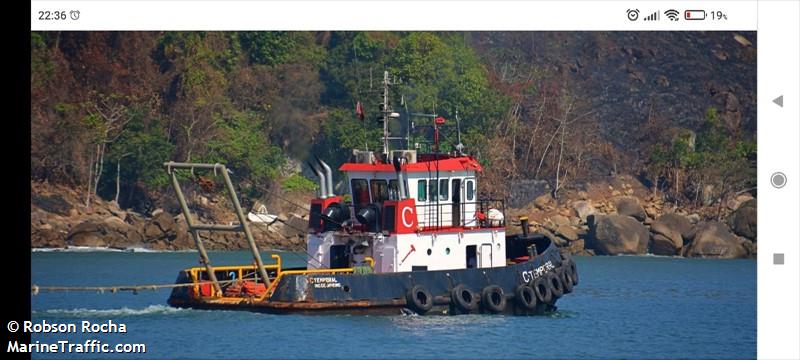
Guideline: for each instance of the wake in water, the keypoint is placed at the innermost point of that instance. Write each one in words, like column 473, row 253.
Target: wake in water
column 104, row 249
column 125, row 311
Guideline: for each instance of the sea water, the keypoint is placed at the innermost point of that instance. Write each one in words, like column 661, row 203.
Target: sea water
column 624, row 307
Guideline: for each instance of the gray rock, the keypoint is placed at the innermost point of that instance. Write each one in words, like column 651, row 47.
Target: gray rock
column 560, row 220
column 52, row 203
column 665, row 245
column 714, row 240
column 164, row 221
column 559, row 241
column 522, row 192
column 88, row 233
column 542, row 201
column 583, row 209
column 667, row 224
column 567, row 232
column 668, row 233
column 743, row 221
column 629, row 206
column 109, row 232
column 48, row 238
column 617, row 234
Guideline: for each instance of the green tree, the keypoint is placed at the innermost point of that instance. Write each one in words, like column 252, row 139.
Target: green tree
column 241, row 143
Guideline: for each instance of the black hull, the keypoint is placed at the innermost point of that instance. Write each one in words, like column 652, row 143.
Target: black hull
column 389, row 293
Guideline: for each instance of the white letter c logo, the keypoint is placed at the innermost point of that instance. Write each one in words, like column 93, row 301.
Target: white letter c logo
column 406, row 222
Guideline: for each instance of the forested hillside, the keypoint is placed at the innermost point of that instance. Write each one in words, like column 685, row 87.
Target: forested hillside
column 675, row 110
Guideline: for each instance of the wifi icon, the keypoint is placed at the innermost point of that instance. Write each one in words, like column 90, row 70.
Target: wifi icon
column 672, row 14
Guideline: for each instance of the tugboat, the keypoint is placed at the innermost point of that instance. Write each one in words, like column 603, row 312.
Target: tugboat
column 416, row 238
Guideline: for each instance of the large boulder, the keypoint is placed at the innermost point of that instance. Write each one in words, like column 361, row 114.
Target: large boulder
column 583, row 209
column 714, row 240
column 567, row 232
column 629, row 206
column 89, row 233
column 743, row 220
column 677, row 222
column 47, row 238
column 617, row 234
column 665, row 245
column 670, row 232
column 109, row 232
column 164, row 221
column 560, row 220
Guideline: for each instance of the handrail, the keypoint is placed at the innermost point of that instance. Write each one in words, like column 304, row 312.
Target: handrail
column 271, row 284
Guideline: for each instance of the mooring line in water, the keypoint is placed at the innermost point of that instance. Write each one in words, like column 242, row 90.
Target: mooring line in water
column 35, row 289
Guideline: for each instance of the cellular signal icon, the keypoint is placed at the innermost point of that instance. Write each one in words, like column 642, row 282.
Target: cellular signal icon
column 653, row 17
column 672, row 14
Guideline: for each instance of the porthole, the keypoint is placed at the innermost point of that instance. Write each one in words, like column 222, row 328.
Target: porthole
column 430, row 251
column 447, row 251
column 346, row 289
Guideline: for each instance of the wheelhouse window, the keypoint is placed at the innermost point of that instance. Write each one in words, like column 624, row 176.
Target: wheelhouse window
column 422, row 190
column 380, row 191
column 470, row 190
column 394, row 191
column 444, row 189
column 360, row 193
column 433, row 190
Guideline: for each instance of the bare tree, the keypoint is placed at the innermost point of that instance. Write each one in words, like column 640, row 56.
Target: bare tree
column 107, row 117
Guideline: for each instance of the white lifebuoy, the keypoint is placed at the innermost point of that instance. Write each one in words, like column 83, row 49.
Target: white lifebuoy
column 407, row 223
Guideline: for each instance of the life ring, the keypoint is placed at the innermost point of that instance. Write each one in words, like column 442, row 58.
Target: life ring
column 407, row 224
column 566, row 279
column 543, row 291
column 493, row 299
column 464, row 299
column 555, row 285
column 525, row 297
column 419, row 299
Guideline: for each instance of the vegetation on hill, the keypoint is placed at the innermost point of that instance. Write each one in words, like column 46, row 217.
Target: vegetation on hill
column 677, row 109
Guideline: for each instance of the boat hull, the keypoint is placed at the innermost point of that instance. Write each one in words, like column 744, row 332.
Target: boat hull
column 386, row 293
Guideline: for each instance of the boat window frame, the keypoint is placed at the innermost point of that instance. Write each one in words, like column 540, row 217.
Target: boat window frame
column 433, row 190
column 394, row 190
column 470, row 189
column 385, row 192
column 422, row 190
column 444, row 195
column 356, row 204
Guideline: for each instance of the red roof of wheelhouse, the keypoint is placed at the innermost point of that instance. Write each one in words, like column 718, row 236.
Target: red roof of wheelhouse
column 462, row 163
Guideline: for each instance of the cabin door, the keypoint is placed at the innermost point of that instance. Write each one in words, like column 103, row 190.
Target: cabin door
column 456, row 193
column 486, row 255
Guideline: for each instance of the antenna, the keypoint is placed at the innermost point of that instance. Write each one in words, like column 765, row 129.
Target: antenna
column 387, row 112
column 459, row 146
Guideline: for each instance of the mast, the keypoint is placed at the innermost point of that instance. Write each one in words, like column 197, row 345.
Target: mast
column 386, row 111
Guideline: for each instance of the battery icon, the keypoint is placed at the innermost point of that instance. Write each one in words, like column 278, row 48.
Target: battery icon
column 694, row 14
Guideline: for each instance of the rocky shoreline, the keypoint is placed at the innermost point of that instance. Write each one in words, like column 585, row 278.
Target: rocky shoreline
column 60, row 220
column 626, row 220
column 613, row 218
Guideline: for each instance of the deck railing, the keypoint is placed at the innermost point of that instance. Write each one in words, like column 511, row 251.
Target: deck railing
column 244, row 273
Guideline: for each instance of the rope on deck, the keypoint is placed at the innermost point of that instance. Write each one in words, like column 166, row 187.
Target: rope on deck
column 35, row 289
